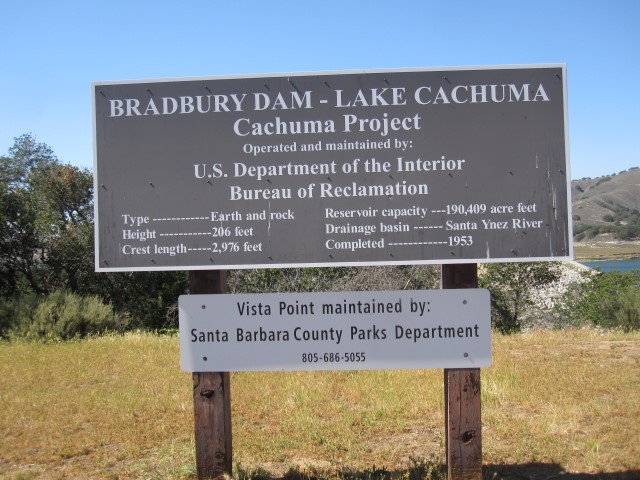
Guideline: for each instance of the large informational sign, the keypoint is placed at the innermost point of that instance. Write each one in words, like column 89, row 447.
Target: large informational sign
column 335, row 331
column 455, row 165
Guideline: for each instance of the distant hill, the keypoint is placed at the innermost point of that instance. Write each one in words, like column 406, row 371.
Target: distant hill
column 608, row 204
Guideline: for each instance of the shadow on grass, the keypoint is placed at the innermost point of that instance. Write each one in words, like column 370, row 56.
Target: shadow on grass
column 430, row 470
column 419, row 470
column 549, row 471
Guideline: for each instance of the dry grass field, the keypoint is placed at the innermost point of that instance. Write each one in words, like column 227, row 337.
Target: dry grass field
column 556, row 404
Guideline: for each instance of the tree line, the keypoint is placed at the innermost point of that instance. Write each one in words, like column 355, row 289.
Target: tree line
column 47, row 245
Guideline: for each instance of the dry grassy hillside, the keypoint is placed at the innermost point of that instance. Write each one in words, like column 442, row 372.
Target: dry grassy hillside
column 595, row 200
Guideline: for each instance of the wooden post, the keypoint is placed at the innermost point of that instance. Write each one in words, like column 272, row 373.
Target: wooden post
column 463, row 425
column 211, row 397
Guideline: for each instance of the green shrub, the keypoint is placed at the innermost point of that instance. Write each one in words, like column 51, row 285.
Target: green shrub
column 627, row 315
column 147, row 299
column 61, row 316
column 607, row 299
column 15, row 312
column 511, row 286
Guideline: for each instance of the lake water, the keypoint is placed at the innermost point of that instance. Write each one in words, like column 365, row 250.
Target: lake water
column 615, row 265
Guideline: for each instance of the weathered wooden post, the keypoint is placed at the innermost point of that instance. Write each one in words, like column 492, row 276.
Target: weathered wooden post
column 211, row 397
column 463, row 423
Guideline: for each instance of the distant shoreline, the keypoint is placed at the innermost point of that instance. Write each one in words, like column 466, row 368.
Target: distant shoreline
column 595, row 251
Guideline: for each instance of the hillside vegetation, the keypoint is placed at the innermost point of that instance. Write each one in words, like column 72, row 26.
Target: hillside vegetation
column 608, row 204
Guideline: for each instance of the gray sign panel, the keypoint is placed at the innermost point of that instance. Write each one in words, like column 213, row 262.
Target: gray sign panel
column 349, row 168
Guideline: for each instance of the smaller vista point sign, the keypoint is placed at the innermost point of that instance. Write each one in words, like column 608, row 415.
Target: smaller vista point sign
column 336, row 331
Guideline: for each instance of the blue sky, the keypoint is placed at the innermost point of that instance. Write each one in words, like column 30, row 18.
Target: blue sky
column 50, row 53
